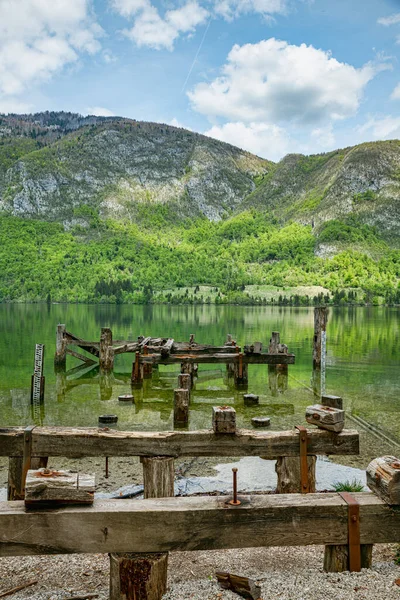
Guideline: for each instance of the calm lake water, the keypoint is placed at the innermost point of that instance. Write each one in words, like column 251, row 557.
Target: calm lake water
column 363, row 365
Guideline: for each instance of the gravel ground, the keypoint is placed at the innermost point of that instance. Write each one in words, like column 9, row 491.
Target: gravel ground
column 283, row 573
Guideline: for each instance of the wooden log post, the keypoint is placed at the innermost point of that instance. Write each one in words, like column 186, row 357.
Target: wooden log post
column 224, row 419
column 106, row 356
column 320, row 321
column 230, row 367
column 16, row 484
column 289, row 474
column 185, row 382
column 181, row 407
column 383, row 478
column 325, row 417
column 336, row 558
column 187, row 368
column 144, row 576
column 137, row 371
column 241, row 372
column 274, row 342
column 147, row 367
column 60, row 357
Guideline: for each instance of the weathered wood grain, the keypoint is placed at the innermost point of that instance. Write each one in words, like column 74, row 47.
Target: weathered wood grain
column 158, row 476
column 196, row 523
column 289, row 476
column 224, row 419
column 383, row 478
column 325, row 417
column 221, row 358
column 336, row 558
column 77, row 442
column 45, row 486
column 138, row 576
column 243, row 586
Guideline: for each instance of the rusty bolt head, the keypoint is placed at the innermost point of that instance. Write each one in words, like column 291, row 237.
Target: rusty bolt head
column 316, row 416
column 354, row 518
column 395, row 465
column 234, row 470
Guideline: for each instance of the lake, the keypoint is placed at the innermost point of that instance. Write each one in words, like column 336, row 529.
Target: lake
column 363, row 350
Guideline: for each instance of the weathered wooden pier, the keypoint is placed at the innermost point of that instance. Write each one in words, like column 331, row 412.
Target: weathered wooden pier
column 151, row 352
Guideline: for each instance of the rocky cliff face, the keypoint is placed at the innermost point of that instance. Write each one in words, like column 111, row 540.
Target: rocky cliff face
column 114, row 166
column 62, row 167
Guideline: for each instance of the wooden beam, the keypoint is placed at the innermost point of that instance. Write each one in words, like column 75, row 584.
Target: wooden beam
column 220, row 358
column 79, row 442
column 81, row 357
column 196, row 523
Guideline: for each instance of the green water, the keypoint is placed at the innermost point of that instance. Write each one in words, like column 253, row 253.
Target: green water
column 362, row 365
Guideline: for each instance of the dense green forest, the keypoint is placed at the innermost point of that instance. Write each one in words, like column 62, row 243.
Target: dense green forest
column 248, row 259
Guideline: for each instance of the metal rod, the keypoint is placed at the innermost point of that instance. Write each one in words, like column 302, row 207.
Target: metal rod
column 106, row 467
column 235, row 501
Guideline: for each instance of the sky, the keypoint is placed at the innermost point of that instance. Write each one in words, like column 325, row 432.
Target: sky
column 270, row 76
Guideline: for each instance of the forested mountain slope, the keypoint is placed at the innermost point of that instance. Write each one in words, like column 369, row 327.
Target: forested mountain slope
column 110, row 209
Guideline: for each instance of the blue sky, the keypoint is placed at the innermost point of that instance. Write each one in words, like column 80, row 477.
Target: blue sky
column 271, row 76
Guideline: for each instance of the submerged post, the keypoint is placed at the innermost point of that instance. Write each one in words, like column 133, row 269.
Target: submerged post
column 60, row 357
column 319, row 350
column 106, row 355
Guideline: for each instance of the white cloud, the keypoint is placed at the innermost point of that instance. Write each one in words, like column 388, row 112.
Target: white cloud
column 273, row 81
column 383, row 128
column 269, row 141
column 392, row 20
column 150, row 29
column 230, row 9
column 99, row 111
column 38, row 38
column 176, row 123
column 323, row 137
column 395, row 95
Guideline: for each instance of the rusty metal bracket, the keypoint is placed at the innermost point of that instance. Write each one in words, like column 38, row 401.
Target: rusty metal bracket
column 304, row 481
column 353, row 525
column 27, row 456
column 240, row 365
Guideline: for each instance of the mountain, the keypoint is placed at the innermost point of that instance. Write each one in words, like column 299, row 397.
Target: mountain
column 107, row 209
column 54, row 164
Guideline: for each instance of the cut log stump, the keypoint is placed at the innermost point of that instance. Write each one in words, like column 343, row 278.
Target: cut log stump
column 138, row 576
column 46, row 486
column 325, row 417
column 181, row 406
column 243, row 586
column 383, row 478
column 224, row 419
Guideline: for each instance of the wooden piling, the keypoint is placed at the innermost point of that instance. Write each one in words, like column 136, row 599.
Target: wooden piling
column 60, row 357
column 274, row 342
column 241, row 372
column 181, row 407
column 185, row 382
column 106, row 355
column 144, row 576
column 320, row 321
column 336, row 558
column 147, row 367
column 137, row 370
column 16, row 483
column 289, row 478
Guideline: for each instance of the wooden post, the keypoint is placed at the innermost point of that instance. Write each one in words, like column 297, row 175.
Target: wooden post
column 147, row 367
column 137, row 370
column 288, row 472
column 106, row 356
column 188, row 369
column 241, row 376
column 158, row 476
column 60, row 357
column 185, row 382
column 106, row 382
column 144, row 576
column 336, row 558
column 138, row 576
column 181, row 407
column 224, row 419
column 320, row 320
column 274, row 342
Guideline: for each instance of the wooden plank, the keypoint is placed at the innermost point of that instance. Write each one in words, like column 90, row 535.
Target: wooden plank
column 81, row 357
column 243, row 586
column 196, row 523
column 78, row 442
column 167, row 347
column 220, row 358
